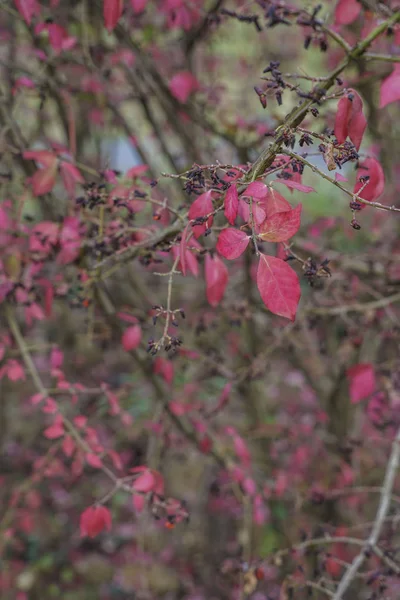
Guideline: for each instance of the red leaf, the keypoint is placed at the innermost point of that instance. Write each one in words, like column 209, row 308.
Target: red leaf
column 94, row 519
column 182, row 249
column 165, row 368
column 70, row 176
column 295, row 185
column 370, row 167
column 132, row 337
column 216, row 279
column 362, row 381
column 257, row 189
column 390, row 88
column 278, row 286
column 275, row 203
column 43, row 157
column 68, row 446
column 259, row 214
column 56, row 430
column 145, row 482
column 93, row 460
column 347, row 11
column 241, row 449
column 15, row 370
column 201, row 207
column 281, row 226
column 27, row 9
column 350, row 120
column 357, row 121
column 138, row 6
column 341, row 120
column 44, row 180
column 112, row 11
column 182, row 85
column 232, row 243
column 231, row 204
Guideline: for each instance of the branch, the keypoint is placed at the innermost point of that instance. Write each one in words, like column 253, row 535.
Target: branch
column 383, row 509
column 356, row 307
column 339, row 185
column 298, row 114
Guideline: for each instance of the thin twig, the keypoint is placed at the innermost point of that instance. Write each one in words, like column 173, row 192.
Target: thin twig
column 383, row 508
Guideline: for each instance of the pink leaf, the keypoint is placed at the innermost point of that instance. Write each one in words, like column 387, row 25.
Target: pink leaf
column 15, row 371
column 70, row 176
column 357, row 122
column 371, row 168
column 93, row 520
column 362, row 381
column 138, row 6
column 112, row 11
column 37, row 398
column 44, row 180
column 347, row 11
column 202, row 207
column 145, row 482
column 279, row 286
column 224, row 397
column 275, row 203
column 93, row 460
column 56, row 358
column 295, row 185
column 27, row 9
column 241, row 449
column 341, row 119
column 182, row 85
column 216, row 279
column 68, row 446
column 231, row 204
column 165, row 368
column 55, row 430
column 132, row 337
column 390, row 88
column 138, row 502
column 350, row 120
column 50, row 406
column 182, row 249
column 232, row 243
column 257, row 189
column 339, row 177
column 43, row 157
column 281, row 226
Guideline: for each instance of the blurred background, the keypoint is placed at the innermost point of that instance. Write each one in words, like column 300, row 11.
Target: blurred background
column 172, row 86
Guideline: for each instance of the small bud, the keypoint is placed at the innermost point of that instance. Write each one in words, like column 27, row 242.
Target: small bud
column 355, row 224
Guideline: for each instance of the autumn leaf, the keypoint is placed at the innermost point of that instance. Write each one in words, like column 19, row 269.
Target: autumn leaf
column 231, row 204
column 372, row 169
column 347, row 11
column 200, row 208
column 216, row 279
column 279, row 286
column 390, row 88
column 232, row 243
column 281, row 226
column 350, row 120
column 112, row 11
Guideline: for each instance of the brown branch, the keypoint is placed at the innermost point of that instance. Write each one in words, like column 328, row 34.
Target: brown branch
column 356, row 307
column 315, row 169
column 298, row 114
column 383, row 509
